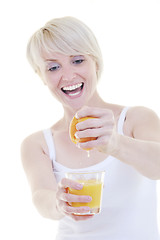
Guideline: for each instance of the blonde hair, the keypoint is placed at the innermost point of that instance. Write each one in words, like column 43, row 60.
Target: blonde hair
column 66, row 35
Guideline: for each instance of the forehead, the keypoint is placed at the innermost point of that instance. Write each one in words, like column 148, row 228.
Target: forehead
column 53, row 55
column 60, row 56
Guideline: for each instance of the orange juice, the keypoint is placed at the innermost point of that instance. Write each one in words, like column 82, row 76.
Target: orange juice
column 91, row 187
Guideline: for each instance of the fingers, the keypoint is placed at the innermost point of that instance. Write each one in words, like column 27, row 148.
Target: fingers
column 66, row 183
column 101, row 141
column 63, row 195
column 68, row 210
column 92, row 112
column 95, row 132
column 94, row 123
column 94, row 127
column 105, row 119
column 77, row 213
column 83, row 217
column 73, row 198
column 102, row 127
column 75, row 210
column 64, row 199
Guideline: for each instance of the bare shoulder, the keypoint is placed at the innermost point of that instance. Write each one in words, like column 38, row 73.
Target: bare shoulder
column 140, row 114
column 144, row 122
column 33, row 149
column 36, row 143
column 33, row 137
column 35, row 140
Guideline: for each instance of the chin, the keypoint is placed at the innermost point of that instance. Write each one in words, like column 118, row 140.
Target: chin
column 74, row 106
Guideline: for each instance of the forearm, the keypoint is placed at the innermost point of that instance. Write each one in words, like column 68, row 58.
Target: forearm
column 45, row 202
column 144, row 156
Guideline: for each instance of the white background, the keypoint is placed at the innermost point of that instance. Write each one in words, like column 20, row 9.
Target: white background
column 129, row 35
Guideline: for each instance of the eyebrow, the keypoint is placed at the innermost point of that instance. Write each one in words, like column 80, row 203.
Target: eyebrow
column 51, row 60
column 54, row 60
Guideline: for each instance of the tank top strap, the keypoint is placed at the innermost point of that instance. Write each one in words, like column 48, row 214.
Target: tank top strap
column 50, row 143
column 122, row 120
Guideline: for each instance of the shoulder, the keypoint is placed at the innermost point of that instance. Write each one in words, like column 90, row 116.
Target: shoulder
column 34, row 143
column 143, row 122
column 140, row 114
column 33, row 139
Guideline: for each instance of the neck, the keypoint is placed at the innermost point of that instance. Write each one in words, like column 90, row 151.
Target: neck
column 96, row 101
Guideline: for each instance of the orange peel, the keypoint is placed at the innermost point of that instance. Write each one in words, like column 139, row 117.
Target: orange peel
column 73, row 130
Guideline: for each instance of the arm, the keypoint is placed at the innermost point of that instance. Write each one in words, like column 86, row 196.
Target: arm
column 142, row 151
column 50, row 199
column 141, row 154
column 140, row 147
column 38, row 169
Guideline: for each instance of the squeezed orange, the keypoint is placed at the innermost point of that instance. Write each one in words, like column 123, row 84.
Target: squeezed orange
column 92, row 188
column 73, row 130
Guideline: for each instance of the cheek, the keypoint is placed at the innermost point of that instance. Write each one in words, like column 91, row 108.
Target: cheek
column 93, row 75
column 50, row 81
column 90, row 71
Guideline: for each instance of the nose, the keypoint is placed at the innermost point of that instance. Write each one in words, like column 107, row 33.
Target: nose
column 68, row 74
column 68, row 78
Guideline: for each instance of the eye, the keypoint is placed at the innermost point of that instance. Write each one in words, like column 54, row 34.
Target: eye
column 78, row 59
column 53, row 67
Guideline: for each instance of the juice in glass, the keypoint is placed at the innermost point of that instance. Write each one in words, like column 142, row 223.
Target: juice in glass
column 92, row 186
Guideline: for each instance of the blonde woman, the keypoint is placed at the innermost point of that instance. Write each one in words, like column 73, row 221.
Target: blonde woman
column 66, row 56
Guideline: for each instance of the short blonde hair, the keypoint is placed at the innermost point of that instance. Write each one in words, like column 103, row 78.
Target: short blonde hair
column 66, row 35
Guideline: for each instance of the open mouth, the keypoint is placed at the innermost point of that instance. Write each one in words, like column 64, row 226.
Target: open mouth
column 73, row 90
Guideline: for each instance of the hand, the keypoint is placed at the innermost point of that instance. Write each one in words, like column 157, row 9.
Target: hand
column 64, row 199
column 103, row 127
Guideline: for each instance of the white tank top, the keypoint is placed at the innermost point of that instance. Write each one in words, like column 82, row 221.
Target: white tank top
column 129, row 204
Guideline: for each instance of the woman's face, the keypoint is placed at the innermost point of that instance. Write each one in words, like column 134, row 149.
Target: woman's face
column 71, row 79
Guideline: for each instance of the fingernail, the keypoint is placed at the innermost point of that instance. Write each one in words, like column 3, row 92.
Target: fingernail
column 76, row 126
column 79, row 186
column 89, row 198
column 78, row 145
column 76, row 116
column 87, row 209
column 76, row 135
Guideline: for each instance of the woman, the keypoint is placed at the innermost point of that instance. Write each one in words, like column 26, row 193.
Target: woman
column 66, row 56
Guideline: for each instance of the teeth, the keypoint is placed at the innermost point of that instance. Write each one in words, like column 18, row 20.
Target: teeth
column 73, row 94
column 73, row 87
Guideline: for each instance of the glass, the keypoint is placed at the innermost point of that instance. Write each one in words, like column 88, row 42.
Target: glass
column 92, row 186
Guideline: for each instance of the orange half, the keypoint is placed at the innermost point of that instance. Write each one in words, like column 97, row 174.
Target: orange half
column 73, row 130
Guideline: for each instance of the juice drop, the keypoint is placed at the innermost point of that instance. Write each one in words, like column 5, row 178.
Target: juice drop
column 88, row 153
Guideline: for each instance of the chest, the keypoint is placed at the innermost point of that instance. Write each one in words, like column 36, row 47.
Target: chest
column 69, row 155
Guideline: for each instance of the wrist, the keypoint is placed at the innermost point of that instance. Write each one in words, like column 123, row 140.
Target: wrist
column 116, row 152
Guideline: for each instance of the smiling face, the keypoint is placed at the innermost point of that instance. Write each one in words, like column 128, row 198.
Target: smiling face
column 71, row 79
